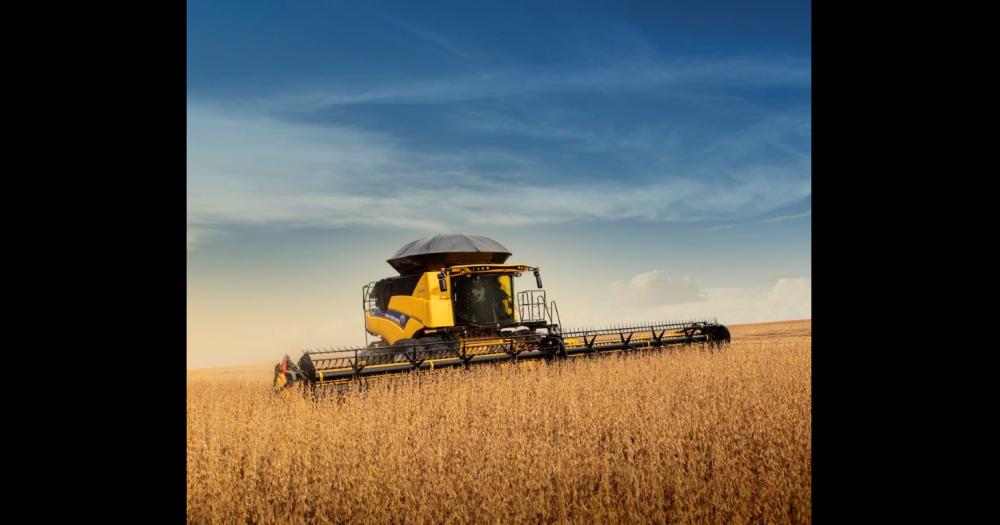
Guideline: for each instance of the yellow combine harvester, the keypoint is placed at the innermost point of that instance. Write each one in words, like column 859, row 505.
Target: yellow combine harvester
column 454, row 304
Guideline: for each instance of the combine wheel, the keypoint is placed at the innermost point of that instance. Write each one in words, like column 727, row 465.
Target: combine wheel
column 409, row 345
column 717, row 335
column 553, row 346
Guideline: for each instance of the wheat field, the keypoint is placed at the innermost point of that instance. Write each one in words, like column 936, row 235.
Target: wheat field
column 687, row 435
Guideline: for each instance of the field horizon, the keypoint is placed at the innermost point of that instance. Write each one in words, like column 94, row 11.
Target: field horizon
column 267, row 367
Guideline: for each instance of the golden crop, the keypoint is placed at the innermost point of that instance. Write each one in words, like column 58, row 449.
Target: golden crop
column 686, row 435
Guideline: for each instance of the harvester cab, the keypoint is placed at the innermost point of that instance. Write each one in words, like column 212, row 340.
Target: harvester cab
column 455, row 303
column 453, row 287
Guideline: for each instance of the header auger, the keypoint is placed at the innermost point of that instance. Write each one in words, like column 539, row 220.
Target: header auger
column 454, row 304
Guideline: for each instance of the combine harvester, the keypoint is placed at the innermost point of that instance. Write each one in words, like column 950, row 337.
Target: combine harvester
column 453, row 304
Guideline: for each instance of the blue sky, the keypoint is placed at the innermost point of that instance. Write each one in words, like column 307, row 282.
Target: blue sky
column 657, row 152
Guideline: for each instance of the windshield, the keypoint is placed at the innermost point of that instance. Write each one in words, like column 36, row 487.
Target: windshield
column 483, row 299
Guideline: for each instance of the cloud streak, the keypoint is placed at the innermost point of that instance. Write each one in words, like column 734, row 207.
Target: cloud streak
column 783, row 218
column 427, row 35
column 266, row 162
column 688, row 77
column 252, row 169
column 770, row 220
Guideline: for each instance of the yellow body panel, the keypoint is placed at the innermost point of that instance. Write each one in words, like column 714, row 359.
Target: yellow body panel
column 390, row 330
column 415, row 307
column 429, row 307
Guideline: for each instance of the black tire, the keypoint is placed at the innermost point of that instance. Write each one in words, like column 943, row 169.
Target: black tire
column 553, row 346
column 718, row 335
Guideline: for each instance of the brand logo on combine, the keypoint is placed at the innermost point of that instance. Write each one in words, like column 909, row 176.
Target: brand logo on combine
column 396, row 317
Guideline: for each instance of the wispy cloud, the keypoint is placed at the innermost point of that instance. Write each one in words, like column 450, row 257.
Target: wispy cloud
column 426, row 34
column 783, row 218
column 720, row 227
column 770, row 220
column 266, row 162
column 198, row 235
column 678, row 78
column 246, row 168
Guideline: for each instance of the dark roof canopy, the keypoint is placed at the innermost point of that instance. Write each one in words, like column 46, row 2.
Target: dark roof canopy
column 437, row 251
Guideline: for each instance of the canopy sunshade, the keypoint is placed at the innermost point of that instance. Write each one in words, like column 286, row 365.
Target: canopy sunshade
column 438, row 251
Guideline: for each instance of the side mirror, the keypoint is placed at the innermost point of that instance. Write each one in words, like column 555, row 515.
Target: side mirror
column 442, row 283
column 538, row 279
